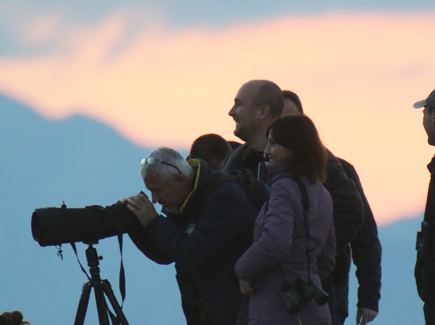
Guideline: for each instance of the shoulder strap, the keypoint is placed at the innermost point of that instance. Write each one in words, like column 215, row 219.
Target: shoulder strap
column 304, row 195
column 305, row 207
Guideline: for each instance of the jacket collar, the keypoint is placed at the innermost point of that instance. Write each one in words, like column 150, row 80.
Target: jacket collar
column 202, row 174
column 278, row 170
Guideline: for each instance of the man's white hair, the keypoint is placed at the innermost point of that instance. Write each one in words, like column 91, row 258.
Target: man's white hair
column 163, row 170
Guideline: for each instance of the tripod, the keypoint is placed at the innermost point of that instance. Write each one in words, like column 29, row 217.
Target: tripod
column 101, row 287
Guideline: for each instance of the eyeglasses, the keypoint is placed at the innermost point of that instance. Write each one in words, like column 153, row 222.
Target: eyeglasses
column 151, row 160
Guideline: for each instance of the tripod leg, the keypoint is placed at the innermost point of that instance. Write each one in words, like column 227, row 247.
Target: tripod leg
column 83, row 304
column 115, row 305
column 101, row 303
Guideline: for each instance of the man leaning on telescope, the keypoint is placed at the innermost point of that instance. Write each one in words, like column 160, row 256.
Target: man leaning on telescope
column 204, row 232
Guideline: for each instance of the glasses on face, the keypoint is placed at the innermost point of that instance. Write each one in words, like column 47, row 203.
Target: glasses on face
column 151, row 160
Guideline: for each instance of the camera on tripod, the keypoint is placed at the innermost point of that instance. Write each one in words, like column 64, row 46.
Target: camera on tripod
column 55, row 226
column 300, row 292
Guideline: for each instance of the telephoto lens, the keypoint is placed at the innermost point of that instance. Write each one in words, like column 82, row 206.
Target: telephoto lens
column 55, row 226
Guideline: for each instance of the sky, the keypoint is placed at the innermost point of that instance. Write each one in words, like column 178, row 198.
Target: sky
column 165, row 72
column 161, row 73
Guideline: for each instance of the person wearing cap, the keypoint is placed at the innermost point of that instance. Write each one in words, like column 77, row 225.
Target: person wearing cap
column 425, row 265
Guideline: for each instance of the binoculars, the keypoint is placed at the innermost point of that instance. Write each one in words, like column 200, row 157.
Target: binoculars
column 299, row 293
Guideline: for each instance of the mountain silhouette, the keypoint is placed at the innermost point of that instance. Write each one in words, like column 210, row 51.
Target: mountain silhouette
column 399, row 302
column 80, row 162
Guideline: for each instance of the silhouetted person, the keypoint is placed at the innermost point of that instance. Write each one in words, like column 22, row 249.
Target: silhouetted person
column 211, row 148
column 12, row 318
column 425, row 266
column 365, row 250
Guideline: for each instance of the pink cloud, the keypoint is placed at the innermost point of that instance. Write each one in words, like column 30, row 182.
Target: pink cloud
column 357, row 74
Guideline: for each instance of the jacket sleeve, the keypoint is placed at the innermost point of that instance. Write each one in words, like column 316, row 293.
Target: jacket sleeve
column 348, row 208
column 227, row 215
column 144, row 243
column 366, row 252
column 276, row 237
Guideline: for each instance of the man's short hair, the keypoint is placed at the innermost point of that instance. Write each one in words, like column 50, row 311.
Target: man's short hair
column 167, row 163
column 211, row 148
column 294, row 98
column 270, row 94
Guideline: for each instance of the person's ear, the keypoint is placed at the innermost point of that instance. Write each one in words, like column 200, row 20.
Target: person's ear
column 264, row 112
column 179, row 179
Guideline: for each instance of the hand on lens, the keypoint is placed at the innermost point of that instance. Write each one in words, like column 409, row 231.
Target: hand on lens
column 124, row 200
column 142, row 208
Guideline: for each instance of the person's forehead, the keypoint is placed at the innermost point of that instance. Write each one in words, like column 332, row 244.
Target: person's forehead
column 154, row 182
column 247, row 91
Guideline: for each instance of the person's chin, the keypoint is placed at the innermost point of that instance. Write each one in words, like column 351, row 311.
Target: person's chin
column 239, row 133
column 171, row 209
column 236, row 131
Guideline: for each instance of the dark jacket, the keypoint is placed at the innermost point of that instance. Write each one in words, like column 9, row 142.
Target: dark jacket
column 425, row 266
column 348, row 207
column 205, row 240
column 366, row 252
column 245, row 157
column 279, row 250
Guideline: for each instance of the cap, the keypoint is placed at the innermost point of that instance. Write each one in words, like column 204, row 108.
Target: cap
column 430, row 100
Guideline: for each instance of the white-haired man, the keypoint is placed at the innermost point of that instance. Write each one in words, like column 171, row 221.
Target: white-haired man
column 205, row 232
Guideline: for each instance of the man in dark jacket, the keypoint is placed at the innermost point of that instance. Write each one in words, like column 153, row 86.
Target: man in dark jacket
column 204, row 233
column 257, row 104
column 365, row 250
column 425, row 266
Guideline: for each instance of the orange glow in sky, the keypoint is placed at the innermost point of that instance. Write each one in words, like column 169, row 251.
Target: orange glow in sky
column 357, row 75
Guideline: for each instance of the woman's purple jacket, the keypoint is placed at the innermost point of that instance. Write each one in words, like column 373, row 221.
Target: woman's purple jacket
column 280, row 238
